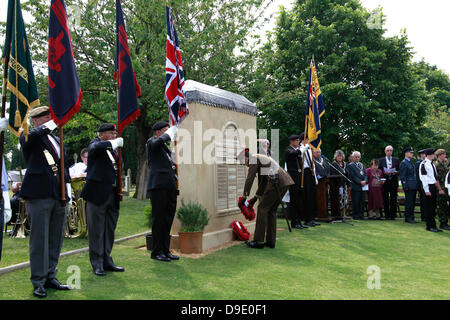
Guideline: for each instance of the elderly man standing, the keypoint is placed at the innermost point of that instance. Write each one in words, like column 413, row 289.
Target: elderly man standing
column 162, row 188
column 46, row 211
column 274, row 182
column 390, row 167
column 442, row 202
column 357, row 174
column 410, row 185
column 102, row 198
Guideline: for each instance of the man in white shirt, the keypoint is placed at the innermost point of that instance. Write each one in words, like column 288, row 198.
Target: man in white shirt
column 78, row 170
column 309, row 183
column 430, row 185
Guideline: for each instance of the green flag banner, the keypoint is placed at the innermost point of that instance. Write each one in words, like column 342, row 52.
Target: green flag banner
column 21, row 82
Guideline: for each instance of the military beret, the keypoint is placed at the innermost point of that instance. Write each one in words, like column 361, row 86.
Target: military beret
column 429, row 151
column 294, row 137
column 439, row 152
column 159, row 125
column 408, row 149
column 106, row 127
column 39, row 112
column 302, row 136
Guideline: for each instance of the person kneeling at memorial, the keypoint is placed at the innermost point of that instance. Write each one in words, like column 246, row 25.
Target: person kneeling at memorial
column 274, row 182
column 357, row 174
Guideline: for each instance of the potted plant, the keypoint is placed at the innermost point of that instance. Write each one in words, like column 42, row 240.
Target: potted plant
column 193, row 218
column 148, row 236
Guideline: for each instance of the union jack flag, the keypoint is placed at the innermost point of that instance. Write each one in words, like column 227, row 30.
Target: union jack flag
column 174, row 93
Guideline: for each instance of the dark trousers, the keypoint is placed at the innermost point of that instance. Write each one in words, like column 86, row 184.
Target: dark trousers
column 164, row 205
column 2, row 215
column 390, row 198
column 295, row 204
column 410, row 201
column 101, row 222
column 266, row 219
column 309, row 196
column 47, row 219
column 430, row 207
column 358, row 204
column 422, row 203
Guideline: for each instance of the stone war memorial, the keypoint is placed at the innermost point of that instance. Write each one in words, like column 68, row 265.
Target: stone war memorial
column 219, row 126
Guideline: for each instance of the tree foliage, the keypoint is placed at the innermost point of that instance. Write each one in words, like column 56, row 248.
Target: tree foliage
column 372, row 94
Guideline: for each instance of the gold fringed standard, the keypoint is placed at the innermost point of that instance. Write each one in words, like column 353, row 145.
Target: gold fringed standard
column 17, row 119
column 25, row 130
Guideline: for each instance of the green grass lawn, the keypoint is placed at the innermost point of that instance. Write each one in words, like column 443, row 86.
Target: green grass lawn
column 326, row 262
column 131, row 221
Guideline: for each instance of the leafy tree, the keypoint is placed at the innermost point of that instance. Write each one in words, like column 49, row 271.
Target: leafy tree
column 372, row 95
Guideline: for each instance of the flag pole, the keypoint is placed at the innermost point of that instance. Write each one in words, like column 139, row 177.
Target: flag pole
column 4, row 94
column 303, row 156
column 61, row 165
column 119, row 162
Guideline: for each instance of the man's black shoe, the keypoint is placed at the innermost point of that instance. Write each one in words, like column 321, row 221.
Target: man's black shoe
column 434, row 230
column 310, row 224
column 316, row 223
column 298, row 226
column 55, row 284
column 99, row 272
column 172, row 257
column 411, row 221
column 254, row 245
column 40, row 292
column 444, row 227
column 269, row 245
column 114, row 268
column 160, row 257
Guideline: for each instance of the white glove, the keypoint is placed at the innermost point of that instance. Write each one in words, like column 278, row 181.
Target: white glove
column 69, row 193
column 3, row 124
column 116, row 143
column 50, row 125
column 172, row 132
column 7, row 212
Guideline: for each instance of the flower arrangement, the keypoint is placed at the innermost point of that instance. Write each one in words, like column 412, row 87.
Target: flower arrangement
column 247, row 210
column 240, row 231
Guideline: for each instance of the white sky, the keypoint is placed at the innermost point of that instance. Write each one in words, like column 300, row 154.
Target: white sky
column 426, row 22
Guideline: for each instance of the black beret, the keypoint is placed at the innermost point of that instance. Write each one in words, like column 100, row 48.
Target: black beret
column 294, row 137
column 302, row 136
column 408, row 149
column 106, row 127
column 429, row 151
column 159, row 125
column 421, row 151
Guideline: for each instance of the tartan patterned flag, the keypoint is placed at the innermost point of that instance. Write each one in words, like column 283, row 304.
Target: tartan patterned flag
column 21, row 82
column 64, row 88
column 174, row 94
column 128, row 87
column 315, row 109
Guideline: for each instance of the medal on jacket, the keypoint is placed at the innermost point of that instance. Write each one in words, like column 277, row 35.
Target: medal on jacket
column 51, row 161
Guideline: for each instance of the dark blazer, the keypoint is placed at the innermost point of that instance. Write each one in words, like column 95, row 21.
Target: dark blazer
column 395, row 164
column 322, row 170
column 39, row 181
column 162, row 171
column 416, row 170
column 408, row 175
column 293, row 158
column 101, row 175
column 356, row 177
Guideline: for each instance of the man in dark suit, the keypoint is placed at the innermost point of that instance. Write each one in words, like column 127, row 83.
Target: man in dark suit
column 408, row 177
column 419, row 185
column 102, row 198
column 390, row 166
column 357, row 174
column 41, row 189
column 292, row 156
column 162, row 188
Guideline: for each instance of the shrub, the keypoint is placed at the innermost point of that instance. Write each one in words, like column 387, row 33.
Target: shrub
column 193, row 217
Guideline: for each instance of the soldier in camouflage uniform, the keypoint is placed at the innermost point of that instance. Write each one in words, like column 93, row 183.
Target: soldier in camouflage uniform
column 442, row 203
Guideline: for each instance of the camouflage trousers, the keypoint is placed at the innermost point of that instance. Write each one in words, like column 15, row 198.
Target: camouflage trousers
column 443, row 209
